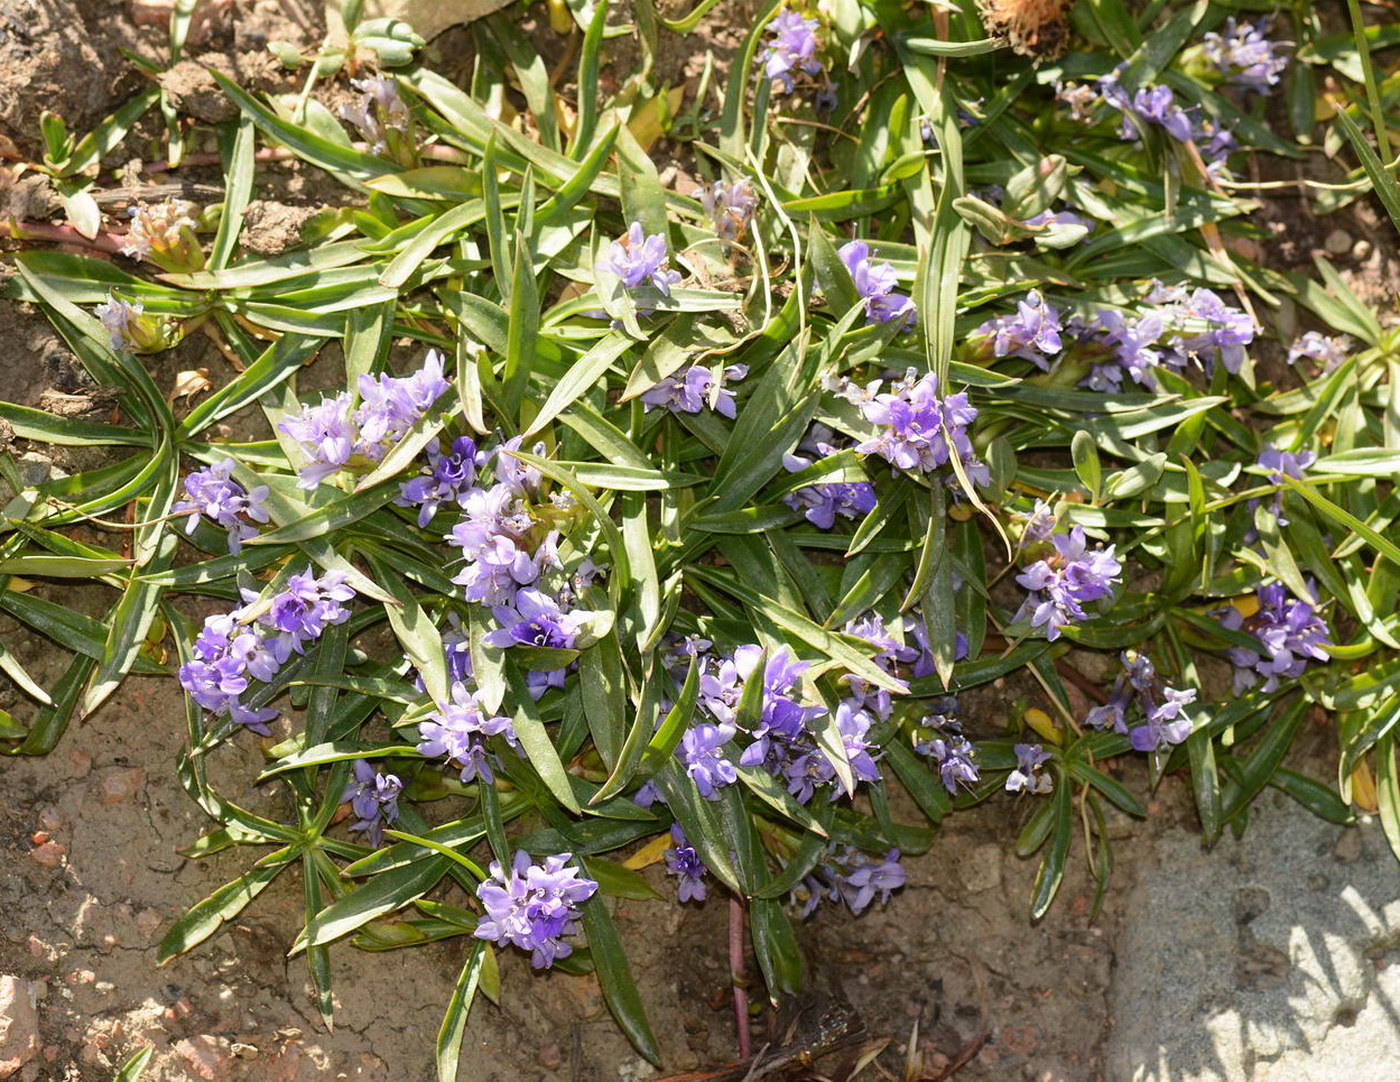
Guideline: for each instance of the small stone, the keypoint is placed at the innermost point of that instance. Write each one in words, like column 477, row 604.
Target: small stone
column 81, row 760
column 117, row 785
column 244, row 1051
column 1338, row 242
column 549, row 1056
column 19, row 1025
column 207, row 1056
column 48, row 855
column 1023, row 1040
column 50, row 819
column 1348, row 847
column 1361, row 250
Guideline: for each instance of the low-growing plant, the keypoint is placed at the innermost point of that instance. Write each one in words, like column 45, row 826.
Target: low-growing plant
column 698, row 515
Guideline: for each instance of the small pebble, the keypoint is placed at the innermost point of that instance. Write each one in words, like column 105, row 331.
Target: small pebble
column 48, row 855
column 1338, row 242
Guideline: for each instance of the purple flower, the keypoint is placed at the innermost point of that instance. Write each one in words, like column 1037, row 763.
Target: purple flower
column 234, row 649
column 1245, row 56
column 390, row 406
column 1156, row 105
column 1028, row 777
column 535, row 619
column 955, row 758
column 457, row 731
column 637, row 258
column 326, row 435
column 702, row 751
column 301, row 612
column 684, row 861
column 693, row 389
column 1327, row 352
column 446, row 479
column 1061, row 585
column 374, row 798
column 520, row 478
column 868, row 878
column 791, row 50
column 1129, row 342
column 534, row 906
column 379, row 110
column 822, row 503
column 1113, row 713
column 123, row 323
column 213, row 493
column 332, row 434
column 1290, row 634
column 875, row 282
column 1205, row 330
column 1166, row 723
column 227, row 656
column 1281, row 464
column 1032, row 333
column 1047, row 218
column 850, row 876
column 919, row 427
column 730, row 207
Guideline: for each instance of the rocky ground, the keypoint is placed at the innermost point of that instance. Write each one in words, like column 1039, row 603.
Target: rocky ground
column 1273, row 959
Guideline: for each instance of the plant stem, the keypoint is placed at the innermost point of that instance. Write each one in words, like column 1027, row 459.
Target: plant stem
column 737, row 975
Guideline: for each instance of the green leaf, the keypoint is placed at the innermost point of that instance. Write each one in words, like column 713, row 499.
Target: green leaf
column 207, row 917
column 615, row 976
column 448, row 1048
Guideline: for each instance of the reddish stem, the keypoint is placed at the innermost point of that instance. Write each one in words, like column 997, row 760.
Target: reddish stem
column 737, row 976
column 65, row 234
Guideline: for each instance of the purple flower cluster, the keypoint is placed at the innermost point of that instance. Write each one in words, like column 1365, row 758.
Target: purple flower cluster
column 791, row 51
column 1245, row 57
column 214, row 494
column 702, row 752
column 1065, row 580
column 1128, row 344
column 956, row 759
column 693, row 389
column 638, row 258
column 920, row 429
column 447, row 478
column 875, row 282
column 497, row 534
column 1032, row 333
column 1328, row 352
column 1290, row 634
column 1165, row 722
column 253, row 642
column 682, row 860
column 1030, row 775
column 851, row 876
column 337, row 434
column 457, row 731
column 374, row 798
column 731, row 207
column 1202, row 329
column 1156, row 105
column 534, row 906
column 822, row 503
